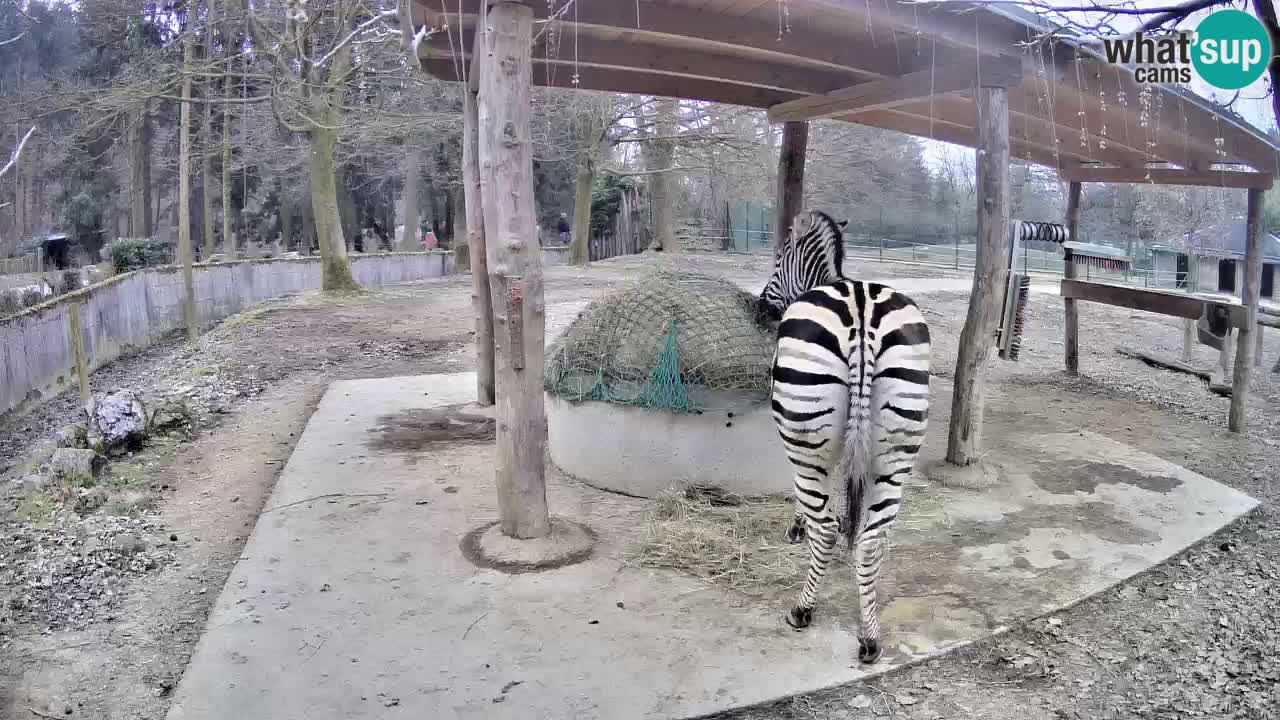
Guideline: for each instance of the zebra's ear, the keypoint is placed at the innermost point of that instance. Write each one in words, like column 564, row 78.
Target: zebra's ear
column 842, row 224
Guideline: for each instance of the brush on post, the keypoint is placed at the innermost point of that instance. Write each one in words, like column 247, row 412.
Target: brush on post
column 1022, row 293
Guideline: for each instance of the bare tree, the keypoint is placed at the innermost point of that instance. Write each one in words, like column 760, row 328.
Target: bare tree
column 313, row 61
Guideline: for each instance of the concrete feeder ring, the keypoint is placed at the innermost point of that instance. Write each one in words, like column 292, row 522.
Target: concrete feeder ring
column 642, row 452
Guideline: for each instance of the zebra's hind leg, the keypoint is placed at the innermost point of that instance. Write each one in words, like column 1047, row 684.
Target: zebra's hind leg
column 822, row 542
column 867, row 555
column 795, row 534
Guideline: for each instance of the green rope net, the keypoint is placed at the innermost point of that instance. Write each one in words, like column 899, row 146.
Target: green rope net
column 680, row 342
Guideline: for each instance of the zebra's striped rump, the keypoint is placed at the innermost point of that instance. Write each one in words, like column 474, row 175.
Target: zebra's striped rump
column 851, row 403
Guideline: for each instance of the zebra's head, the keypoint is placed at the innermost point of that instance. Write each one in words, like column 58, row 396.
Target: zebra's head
column 811, row 255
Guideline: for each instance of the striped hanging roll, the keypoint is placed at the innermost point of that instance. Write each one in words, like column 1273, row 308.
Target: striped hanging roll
column 1042, row 232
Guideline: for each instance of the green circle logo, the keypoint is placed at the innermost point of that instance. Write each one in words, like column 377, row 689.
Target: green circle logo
column 1232, row 49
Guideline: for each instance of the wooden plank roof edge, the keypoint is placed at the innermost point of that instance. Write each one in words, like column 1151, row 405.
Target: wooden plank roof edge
column 1065, row 36
column 1235, row 179
column 893, row 91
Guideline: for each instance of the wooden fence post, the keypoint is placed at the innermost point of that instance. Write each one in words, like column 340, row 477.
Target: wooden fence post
column 990, row 272
column 76, row 336
column 515, row 268
column 790, row 191
column 1071, row 311
column 1249, row 297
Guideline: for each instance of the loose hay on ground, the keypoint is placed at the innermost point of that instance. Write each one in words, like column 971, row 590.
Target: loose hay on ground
column 730, row 540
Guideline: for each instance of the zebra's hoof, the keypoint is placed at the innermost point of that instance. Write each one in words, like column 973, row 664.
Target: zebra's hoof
column 868, row 651
column 799, row 618
column 795, row 534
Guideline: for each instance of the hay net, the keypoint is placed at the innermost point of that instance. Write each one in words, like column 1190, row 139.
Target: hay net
column 678, row 341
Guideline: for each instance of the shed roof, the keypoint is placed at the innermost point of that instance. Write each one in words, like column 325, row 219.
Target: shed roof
column 1225, row 240
column 903, row 66
column 1101, row 251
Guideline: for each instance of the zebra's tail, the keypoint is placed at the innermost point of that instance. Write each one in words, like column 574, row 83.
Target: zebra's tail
column 856, row 458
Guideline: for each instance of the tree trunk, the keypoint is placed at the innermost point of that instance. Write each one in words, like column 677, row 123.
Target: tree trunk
column 795, row 142
column 335, row 266
column 140, row 215
column 20, row 194
column 184, row 198
column 664, row 232
column 581, row 254
column 1249, row 295
column 989, row 276
column 477, row 251
column 206, row 146
column 1070, row 310
column 228, row 231
column 409, row 198
column 515, row 270
column 448, row 214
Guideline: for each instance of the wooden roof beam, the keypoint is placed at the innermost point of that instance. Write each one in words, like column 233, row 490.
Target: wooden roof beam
column 741, row 35
column 590, row 51
column 632, row 82
column 1169, row 176
column 960, row 134
column 903, row 90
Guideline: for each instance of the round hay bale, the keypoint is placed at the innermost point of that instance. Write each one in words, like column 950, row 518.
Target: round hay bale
column 671, row 375
column 669, row 329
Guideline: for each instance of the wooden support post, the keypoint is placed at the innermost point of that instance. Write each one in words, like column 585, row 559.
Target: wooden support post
column 481, row 303
column 1257, row 347
column 1071, row 338
column 790, row 197
column 514, row 267
column 1188, row 340
column 1249, row 298
column 989, row 275
column 76, row 336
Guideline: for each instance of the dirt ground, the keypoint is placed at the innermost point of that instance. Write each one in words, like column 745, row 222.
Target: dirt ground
column 1195, row 637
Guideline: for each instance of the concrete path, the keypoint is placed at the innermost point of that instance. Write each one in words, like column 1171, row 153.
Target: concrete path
column 352, row 598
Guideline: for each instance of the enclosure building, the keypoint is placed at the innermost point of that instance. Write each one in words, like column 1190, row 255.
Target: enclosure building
column 1219, row 253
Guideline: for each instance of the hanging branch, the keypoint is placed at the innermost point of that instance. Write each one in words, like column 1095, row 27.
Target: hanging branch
column 17, row 152
column 14, row 39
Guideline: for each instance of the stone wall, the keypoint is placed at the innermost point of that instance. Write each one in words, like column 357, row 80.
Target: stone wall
column 130, row 311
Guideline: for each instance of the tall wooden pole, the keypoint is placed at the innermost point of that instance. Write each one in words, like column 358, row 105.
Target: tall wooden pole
column 795, row 142
column 1249, row 297
column 989, row 275
column 472, row 199
column 515, row 268
column 1072, row 312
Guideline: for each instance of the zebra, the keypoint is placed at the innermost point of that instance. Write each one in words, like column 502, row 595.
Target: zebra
column 850, row 397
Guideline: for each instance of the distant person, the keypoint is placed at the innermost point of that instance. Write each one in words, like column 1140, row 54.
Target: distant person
column 564, row 229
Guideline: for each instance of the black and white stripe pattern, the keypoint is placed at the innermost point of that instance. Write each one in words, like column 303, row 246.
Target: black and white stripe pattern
column 811, row 255
column 851, row 402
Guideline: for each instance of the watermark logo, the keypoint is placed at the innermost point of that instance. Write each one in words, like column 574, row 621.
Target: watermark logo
column 1229, row 50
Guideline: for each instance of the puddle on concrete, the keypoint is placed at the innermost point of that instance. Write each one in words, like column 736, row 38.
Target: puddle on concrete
column 1066, row 478
column 419, row 429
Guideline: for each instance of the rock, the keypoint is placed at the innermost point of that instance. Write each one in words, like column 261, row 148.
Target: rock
column 169, row 416
column 75, row 435
column 39, row 456
column 88, row 500
column 74, row 466
column 31, row 483
column 128, row 544
column 119, row 417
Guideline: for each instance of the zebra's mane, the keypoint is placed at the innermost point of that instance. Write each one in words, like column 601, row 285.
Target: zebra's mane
column 824, row 235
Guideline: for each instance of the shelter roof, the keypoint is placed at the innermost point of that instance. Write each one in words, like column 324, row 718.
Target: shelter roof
column 898, row 65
